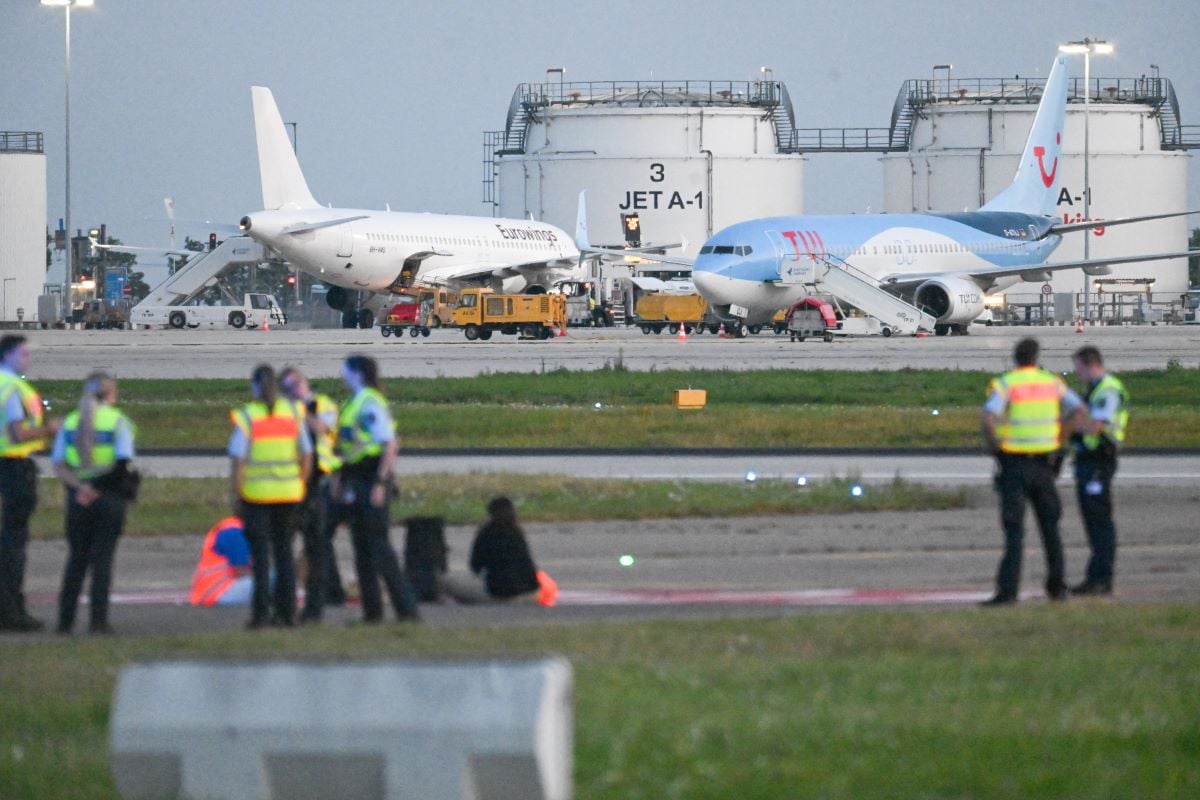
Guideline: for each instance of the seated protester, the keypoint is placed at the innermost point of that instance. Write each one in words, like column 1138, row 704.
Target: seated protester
column 223, row 576
column 501, row 568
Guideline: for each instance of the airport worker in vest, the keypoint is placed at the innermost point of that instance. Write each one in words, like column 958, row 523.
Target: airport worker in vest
column 24, row 430
column 1097, row 442
column 316, row 521
column 223, row 576
column 367, row 447
column 91, row 457
column 271, row 455
column 1023, row 426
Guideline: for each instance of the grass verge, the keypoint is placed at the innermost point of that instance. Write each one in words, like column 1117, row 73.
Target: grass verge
column 173, row 506
column 765, row 408
column 1085, row 701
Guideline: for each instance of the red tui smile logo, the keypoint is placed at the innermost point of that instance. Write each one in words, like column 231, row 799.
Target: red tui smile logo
column 1040, row 152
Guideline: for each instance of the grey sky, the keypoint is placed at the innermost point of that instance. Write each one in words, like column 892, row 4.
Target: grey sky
column 391, row 97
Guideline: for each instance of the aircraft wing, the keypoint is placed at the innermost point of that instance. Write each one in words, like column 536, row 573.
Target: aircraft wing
column 1038, row 272
column 126, row 248
column 498, row 270
column 641, row 253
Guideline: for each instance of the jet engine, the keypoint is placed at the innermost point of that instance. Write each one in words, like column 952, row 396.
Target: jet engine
column 336, row 297
column 953, row 301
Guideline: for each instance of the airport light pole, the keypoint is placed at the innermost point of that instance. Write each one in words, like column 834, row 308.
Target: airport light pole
column 1086, row 47
column 67, row 5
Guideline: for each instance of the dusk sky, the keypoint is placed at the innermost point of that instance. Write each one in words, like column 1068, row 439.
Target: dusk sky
column 391, row 98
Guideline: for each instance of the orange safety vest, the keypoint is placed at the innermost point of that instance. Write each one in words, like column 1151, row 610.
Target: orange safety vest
column 214, row 574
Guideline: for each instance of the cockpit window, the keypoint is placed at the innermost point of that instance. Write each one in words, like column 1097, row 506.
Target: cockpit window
column 723, row 250
column 708, row 248
column 743, row 250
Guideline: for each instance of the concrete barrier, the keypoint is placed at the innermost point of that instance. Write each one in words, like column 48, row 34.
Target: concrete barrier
column 488, row 730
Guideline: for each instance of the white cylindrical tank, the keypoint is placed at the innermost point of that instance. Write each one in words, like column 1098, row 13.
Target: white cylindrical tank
column 22, row 224
column 965, row 149
column 689, row 158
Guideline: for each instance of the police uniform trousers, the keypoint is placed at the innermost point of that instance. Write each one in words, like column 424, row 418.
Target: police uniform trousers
column 374, row 556
column 1094, row 473
column 1021, row 478
column 92, row 534
column 269, row 528
column 323, row 584
column 18, row 498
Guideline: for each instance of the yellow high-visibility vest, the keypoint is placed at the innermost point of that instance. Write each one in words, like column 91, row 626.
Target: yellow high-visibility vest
column 1031, row 422
column 34, row 416
column 354, row 439
column 272, row 470
column 1114, row 430
column 104, row 449
column 325, row 444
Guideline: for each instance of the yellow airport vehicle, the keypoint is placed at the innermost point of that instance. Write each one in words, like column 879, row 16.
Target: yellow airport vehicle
column 481, row 312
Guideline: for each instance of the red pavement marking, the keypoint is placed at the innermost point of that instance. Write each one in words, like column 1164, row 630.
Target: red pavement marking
column 674, row 597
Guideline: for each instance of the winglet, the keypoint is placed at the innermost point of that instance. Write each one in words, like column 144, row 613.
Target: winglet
column 581, row 227
column 1034, row 187
column 283, row 184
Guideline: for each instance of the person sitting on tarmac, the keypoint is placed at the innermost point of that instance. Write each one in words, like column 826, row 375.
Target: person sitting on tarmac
column 223, row 576
column 502, row 570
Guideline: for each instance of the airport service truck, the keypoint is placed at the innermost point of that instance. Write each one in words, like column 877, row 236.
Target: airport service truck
column 256, row 309
column 481, row 312
column 657, row 311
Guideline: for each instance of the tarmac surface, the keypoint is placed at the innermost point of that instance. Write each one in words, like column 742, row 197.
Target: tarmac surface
column 686, row 567
column 234, row 353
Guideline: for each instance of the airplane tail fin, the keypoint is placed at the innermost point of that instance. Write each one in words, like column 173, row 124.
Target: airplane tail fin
column 1034, row 188
column 581, row 226
column 283, row 184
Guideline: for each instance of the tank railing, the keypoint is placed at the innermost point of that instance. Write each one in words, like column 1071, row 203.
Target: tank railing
column 21, row 142
column 847, row 140
column 640, row 94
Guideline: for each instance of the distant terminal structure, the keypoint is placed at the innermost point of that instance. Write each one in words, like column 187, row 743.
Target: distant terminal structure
column 963, row 138
column 22, row 224
column 689, row 157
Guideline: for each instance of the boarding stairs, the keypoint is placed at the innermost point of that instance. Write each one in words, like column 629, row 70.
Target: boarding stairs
column 828, row 274
column 203, row 269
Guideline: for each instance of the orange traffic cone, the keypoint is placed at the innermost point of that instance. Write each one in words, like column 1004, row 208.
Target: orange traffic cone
column 682, row 333
column 1079, row 326
column 721, row 332
column 266, row 323
column 562, row 331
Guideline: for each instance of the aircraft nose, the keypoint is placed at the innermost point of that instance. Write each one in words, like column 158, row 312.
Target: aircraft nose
column 710, row 284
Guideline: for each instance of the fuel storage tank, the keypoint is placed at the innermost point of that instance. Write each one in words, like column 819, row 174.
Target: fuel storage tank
column 965, row 138
column 689, row 157
column 22, row 224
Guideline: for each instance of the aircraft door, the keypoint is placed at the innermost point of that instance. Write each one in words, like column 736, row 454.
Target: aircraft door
column 346, row 244
column 792, row 269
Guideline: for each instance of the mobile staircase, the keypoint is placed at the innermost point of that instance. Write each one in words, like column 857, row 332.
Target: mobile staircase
column 202, row 270
column 828, row 274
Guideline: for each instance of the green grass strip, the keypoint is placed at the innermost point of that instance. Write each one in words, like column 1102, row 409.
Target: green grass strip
column 181, row 506
column 1083, row 701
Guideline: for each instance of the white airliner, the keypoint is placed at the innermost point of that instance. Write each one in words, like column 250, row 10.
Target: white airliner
column 382, row 251
column 941, row 263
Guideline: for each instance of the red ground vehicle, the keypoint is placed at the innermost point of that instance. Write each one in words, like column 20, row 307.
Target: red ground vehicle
column 405, row 314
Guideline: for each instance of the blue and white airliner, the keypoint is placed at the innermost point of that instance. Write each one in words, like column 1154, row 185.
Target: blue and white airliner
column 941, row 263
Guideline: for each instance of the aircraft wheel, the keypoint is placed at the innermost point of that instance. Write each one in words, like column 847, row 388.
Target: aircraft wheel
column 941, row 330
column 471, row 332
column 741, row 332
column 366, row 319
column 177, row 319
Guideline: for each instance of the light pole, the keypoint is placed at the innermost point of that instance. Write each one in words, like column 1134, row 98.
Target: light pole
column 1085, row 48
column 67, row 5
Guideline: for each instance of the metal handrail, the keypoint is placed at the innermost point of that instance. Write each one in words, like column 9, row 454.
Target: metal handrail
column 21, row 142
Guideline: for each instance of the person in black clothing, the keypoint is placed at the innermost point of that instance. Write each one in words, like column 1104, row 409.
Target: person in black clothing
column 501, row 568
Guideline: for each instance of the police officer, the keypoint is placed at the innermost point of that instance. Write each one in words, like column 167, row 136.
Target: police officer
column 1096, row 445
column 316, row 520
column 91, row 456
column 367, row 447
column 23, row 431
column 1023, row 424
column 271, row 455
